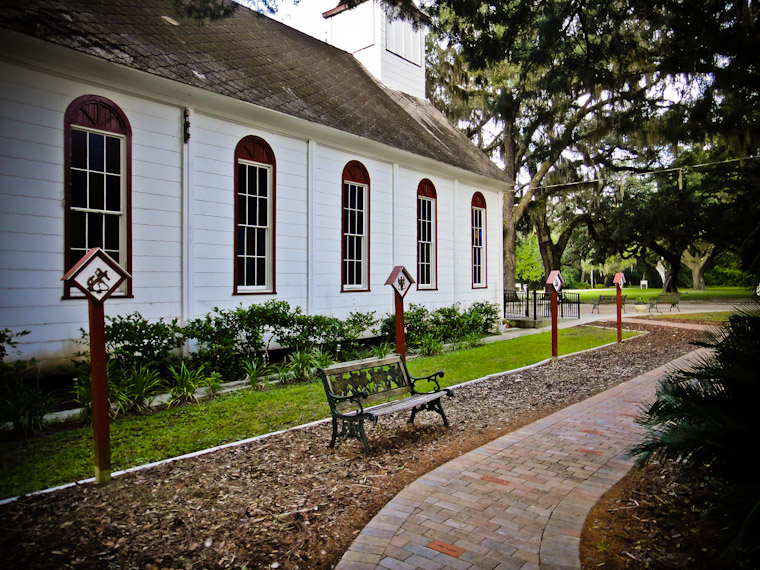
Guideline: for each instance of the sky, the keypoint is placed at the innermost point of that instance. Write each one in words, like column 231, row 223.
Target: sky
column 306, row 16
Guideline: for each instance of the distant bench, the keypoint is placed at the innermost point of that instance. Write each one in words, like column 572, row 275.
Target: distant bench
column 350, row 386
column 607, row 300
column 671, row 299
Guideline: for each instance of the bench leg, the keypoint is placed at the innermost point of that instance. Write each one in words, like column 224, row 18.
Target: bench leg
column 357, row 431
column 434, row 406
column 334, row 432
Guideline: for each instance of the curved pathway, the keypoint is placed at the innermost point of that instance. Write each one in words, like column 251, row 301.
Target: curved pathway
column 517, row 503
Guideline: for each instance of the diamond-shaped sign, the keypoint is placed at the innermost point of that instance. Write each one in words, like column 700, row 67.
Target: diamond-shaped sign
column 400, row 279
column 96, row 275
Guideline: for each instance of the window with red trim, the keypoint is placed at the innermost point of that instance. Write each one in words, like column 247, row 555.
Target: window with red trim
column 355, row 228
column 97, row 184
column 254, row 217
column 427, row 254
column 478, row 216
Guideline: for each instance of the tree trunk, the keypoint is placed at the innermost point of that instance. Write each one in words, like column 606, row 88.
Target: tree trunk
column 698, row 259
column 510, row 224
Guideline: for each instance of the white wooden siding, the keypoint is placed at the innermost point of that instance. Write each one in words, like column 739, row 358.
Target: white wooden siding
column 32, row 106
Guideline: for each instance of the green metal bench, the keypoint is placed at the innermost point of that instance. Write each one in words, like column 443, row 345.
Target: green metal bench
column 607, row 300
column 664, row 299
column 350, row 386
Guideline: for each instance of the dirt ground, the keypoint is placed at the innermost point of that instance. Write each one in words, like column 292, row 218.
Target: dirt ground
column 288, row 501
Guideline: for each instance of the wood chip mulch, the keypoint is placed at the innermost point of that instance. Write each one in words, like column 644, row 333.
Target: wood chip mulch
column 288, row 501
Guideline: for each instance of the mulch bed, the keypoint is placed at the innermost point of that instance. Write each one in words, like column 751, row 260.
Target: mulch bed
column 654, row 518
column 288, row 501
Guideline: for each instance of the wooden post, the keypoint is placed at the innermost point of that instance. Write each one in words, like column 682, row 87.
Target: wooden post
column 99, row 380
column 555, row 351
column 98, row 276
column 400, row 336
column 619, row 315
column 554, row 284
column 401, row 281
column 619, row 284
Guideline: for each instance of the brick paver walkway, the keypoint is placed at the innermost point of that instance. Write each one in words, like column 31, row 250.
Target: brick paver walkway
column 517, row 503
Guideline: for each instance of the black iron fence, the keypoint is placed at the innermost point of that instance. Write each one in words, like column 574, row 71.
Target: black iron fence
column 537, row 305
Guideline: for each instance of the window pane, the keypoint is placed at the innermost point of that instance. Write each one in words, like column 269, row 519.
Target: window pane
column 261, row 242
column 251, row 174
column 250, row 271
column 250, row 241
column 263, row 186
column 240, row 240
column 78, row 149
column 359, row 198
column 241, row 180
column 113, row 155
column 76, row 255
column 261, row 271
column 241, row 270
column 112, row 232
column 78, row 230
column 360, row 223
column 94, row 230
column 97, row 152
column 78, row 189
column 97, row 201
column 241, row 202
column 263, row 211
column 253, row 210
column 113, row 193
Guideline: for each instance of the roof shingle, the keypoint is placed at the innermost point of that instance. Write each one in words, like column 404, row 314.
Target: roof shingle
column 252, row 58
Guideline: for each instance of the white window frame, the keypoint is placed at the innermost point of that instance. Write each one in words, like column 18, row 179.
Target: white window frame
column 426, row 226
column 104, row 211
column 268, row 285
column 361, row 253
column 478, row 218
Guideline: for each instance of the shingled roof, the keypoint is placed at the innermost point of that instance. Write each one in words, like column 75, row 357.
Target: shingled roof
column 252, row 58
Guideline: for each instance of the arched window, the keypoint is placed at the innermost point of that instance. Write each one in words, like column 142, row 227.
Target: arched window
column 478, row 240
column 355, row 228
column 254, row 217
column 427, row 251
column 97, row 184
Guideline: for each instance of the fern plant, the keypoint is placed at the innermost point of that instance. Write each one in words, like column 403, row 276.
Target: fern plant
column 706, row 417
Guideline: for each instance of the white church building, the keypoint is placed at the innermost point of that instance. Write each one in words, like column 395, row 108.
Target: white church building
column 229, row 162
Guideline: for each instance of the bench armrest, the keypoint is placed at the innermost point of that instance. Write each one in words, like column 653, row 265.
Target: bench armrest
column 356, row 397
column 432, row 378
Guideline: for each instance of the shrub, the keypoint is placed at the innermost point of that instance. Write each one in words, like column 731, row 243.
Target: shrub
column 582, row 285
column 430, row 345
column 22, row 401
column 255, row 368
column 185, row 383
column 706, row 417
column 133, row 388
column 225, row 335
column 485, row 315
column 132, row 340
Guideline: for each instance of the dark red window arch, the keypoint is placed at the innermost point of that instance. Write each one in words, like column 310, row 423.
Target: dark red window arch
column 97, row 184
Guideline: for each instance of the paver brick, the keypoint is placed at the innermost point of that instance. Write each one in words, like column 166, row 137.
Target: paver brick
column 518, row 503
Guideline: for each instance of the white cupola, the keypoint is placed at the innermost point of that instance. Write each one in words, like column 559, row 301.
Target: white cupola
column 392, row 50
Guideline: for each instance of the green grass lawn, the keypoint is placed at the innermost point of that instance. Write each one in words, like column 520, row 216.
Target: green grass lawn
column 64, row 456
column 718, row 294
